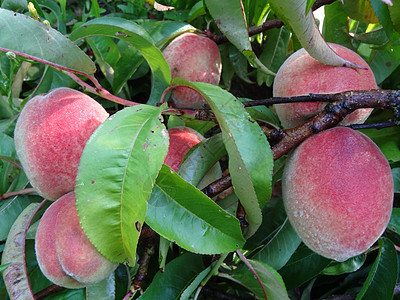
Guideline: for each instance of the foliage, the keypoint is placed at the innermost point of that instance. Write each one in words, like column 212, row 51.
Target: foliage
column 113, row 50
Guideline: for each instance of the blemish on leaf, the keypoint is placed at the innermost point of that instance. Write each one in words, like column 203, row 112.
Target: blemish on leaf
column 93, row 182
column 138, row 226
column 388, row 64
column 120, row 33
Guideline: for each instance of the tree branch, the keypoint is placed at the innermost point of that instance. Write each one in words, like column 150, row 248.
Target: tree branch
column 336, row 112
column 341, row 104
column 148, row 237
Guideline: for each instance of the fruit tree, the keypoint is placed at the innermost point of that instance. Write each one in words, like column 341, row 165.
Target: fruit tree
column 212, row 149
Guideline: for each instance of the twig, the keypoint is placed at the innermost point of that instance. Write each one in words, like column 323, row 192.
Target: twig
column 295, row 99
column 373, row 126
column 246, row 262
column 241, row 216
column 11, row 162
column 98, row 89
column 148, row 237
column 17, row 193
column 217, row 186
column 336, row 112
column 48, row 291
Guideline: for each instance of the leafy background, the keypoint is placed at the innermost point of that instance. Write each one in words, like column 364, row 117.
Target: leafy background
column 119, row 50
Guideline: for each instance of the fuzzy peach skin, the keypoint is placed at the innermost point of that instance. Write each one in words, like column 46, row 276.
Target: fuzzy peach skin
column 64, row 253
column 181, row 140
column 338, row 192
column 301, row 75
column 50, row 135
column 194, row 58
column 78, row 257
column 45, row 247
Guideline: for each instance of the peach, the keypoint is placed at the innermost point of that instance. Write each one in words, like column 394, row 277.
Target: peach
column 301, row 75
column 337, row 190
column 181, row 140
column 45, row 247
column 50, row 135
column 194, row 58
column 64, row 253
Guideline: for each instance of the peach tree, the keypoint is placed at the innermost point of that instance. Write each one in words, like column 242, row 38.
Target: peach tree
column 215, row 224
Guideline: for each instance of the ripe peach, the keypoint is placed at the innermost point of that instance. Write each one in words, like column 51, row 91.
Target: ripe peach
column 50, row 135
column 338, row 192
column 301, row 75
column 181, row 140
column 194, row 58
column 45, row 247
column 64, row 253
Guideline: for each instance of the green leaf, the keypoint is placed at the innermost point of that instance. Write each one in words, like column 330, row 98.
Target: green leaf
column 250, row 156
column 385, row 62
column 382, row 12
column 181, row 213
column 132, row 33
column 348, row 266
column 32, row 39
column 309, row 5
column 3, row 267
column 239, row 63
column 274, row 215
column 106, row 53
column 382, row 278
column 195, row 284
column 275, row 54
column 280, row 248
column 115, row 177
column 14, row 5
column 303, row 25
column 178, row 274
column 396, row 180
column 303, row 266
column 9, row 211
column 388, row 140
column 15, row 276
column 7, row 152
column 395, row 15
column 336, row 25
column 202, row 159
column 196, row 11
column 162, row 32
column 126, row 66
column 230, row 19
column 360, row 10
column 375, row 37
column 271, row 281
column 103, row 290
column 394, row 223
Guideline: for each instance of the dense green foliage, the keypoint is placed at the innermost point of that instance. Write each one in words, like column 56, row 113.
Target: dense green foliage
column 207, row 247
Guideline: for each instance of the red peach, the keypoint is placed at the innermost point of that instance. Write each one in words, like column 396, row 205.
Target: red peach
column 181, row 140
column 194, row 58
column 78, row 257
column 45, row 247
column 301, row 75
column 50, row 135
column 338, row 192
column 64, row 253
